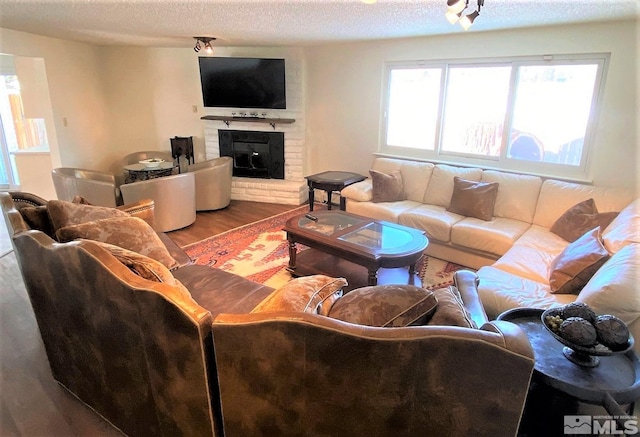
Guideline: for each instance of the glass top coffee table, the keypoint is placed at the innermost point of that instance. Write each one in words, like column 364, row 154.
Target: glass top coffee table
column 337, row 238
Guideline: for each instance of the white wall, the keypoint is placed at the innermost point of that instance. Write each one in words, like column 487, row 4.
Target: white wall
column 344, row 90
column 122, row 99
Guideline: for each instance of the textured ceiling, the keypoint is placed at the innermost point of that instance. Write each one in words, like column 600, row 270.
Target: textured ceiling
column 173, row 23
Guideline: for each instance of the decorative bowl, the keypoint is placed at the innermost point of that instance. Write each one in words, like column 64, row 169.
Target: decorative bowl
column 151, row 162
column 582, row 355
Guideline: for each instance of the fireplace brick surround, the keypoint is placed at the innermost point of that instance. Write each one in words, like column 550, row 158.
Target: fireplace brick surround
column 292, row 190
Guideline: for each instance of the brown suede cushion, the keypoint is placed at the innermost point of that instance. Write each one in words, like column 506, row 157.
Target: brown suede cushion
column 578, row 262
column 128, row 232
column 473, row 199
column 310, row 294
column 581, row 218
column 63, row 213
column 385, row 305
column 37, row 218
column 387, row 187
column 451, row 310
column 81, row 200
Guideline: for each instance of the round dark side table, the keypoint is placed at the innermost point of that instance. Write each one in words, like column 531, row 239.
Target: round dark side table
column 331, row 181
column 614, row 382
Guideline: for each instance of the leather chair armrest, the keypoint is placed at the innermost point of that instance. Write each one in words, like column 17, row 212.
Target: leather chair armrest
column 467, row 284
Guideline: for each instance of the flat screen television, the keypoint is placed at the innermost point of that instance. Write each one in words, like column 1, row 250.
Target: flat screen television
column 243, row 83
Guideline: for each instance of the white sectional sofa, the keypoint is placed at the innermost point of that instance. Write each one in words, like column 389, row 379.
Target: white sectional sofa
column 513, row 252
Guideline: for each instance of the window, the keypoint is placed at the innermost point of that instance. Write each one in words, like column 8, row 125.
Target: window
column 529, row 114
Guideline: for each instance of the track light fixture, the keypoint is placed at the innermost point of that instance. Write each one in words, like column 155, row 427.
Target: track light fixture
column 203, row 42
column 455, row 8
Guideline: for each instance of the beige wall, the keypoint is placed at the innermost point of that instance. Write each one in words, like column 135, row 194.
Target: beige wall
column 344, row 90
column 122, row 99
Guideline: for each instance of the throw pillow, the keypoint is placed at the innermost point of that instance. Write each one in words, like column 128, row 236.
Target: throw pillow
column 63, row 213
column 577, row 263
column 310, row 294
column 81, row 200
column 143, row 266
column 37, row 218
column 385, row 306
column 128, row 232
column 387, row 187
column 579, row 219
column 473, row 199
column 451, row 310
column 624, row 229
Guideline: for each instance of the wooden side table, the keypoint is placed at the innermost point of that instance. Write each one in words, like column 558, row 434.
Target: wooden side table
column 614, row 382
column 331, row 181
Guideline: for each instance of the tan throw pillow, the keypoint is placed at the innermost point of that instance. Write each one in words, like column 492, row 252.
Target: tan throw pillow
column 309, row 294
column 143, row 266
column 387, row 187
column 385, row 306
column 128, row 232
column 581, row 218
column 577, row 263
column 473, row 199
column 63, row 213
column 451, row 310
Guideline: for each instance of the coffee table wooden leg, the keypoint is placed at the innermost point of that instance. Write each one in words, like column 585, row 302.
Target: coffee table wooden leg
column 412, row 269
column 292, row 255
column 373, row 277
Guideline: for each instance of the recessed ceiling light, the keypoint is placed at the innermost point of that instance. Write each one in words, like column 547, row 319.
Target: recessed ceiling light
column 369, row 2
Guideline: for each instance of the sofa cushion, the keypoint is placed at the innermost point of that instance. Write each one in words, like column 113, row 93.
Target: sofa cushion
column 389, row 211
column 63, row 213
column 415, row 174
column 577, row 263
column 613, row 289
column 435, row 220
column 310, row 294
column 385, row 305
column 128, row 232
column 558, row 196
column 581, row 218
column 517, row 196
column 451, row 310
column 500, row 291
column 473, row 199
column 624, row 229
column 387, row 187
column 496, row 236
column 440, row 188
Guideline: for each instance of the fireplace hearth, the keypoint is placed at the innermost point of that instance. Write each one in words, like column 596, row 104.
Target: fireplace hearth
column 255, row 154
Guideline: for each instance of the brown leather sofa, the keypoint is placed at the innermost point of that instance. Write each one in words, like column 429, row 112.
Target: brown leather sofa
column 141, row 354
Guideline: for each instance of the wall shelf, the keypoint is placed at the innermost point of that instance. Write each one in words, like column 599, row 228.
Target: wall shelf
column 228, row 119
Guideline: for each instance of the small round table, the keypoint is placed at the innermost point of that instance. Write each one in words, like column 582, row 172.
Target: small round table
column 140, row 172
column 614, row 382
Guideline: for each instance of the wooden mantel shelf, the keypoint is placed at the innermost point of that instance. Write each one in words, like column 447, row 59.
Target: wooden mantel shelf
column 228, row 119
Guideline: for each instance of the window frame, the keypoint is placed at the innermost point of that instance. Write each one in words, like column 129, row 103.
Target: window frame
column 501, row 162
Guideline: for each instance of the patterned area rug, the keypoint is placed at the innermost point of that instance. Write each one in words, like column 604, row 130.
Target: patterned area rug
column 259, row 252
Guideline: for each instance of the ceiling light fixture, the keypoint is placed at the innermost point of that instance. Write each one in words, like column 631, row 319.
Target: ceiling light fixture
column 455, row 8
column 203, row 42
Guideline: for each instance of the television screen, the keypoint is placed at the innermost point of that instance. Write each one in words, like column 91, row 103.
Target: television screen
column 243, row 83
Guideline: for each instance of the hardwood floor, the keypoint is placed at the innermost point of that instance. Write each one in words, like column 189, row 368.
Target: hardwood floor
column 32, row 404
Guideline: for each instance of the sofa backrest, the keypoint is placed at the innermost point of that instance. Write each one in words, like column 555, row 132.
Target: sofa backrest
column 415, row 174
column 440, row 187
column 304, row 374
column 137, row 352
column 517, row 194
column 558, row 196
